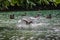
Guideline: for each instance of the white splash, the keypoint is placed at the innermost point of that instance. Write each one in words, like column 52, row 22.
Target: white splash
column 36, row 22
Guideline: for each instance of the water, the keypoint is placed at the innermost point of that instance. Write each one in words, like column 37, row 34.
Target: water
column 40, row 29
column 41, row 22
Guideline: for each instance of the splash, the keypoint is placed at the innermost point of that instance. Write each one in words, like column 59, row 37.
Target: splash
column 36, row 22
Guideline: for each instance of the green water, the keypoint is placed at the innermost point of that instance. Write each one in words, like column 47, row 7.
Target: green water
column 8, row 30
column 32, row 12
column 4, row 16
